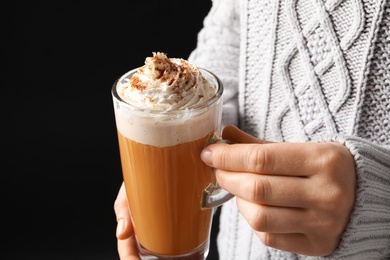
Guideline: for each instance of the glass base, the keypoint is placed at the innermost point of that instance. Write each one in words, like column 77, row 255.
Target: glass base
column 199, row 253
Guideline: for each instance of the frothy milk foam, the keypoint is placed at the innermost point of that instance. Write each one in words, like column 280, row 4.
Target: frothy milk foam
column 164, row 87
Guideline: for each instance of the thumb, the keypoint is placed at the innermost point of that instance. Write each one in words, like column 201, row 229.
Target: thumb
column 235, row 135
column 124, row 227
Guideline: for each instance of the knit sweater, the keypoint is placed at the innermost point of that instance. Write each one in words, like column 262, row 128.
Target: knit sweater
column 308, row 70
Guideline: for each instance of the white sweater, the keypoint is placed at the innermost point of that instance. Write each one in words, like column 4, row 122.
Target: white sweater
column 308, row 70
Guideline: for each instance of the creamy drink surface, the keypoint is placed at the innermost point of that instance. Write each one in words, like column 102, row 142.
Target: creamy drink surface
column 165, row 84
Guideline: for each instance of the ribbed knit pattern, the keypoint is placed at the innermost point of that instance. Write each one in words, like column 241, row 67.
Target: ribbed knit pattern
column 308, row 70
column 374, row 124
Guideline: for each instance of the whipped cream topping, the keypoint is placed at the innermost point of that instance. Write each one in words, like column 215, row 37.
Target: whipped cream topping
column 166, row 84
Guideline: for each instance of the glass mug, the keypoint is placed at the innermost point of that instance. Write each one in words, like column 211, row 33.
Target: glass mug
column 171, row 192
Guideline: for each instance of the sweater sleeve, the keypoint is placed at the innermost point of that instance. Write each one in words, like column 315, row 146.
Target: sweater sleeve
column 218, row 51
column 367, row 235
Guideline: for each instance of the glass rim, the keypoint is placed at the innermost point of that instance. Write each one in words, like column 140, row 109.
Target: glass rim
column 199, row 106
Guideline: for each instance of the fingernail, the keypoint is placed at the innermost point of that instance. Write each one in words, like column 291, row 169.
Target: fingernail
column 207, row 157
column 120, row 227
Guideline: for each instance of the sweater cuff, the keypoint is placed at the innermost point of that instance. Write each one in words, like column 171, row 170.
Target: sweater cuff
column 367, row 235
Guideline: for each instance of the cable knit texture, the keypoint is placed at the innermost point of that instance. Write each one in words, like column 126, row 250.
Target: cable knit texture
column 308, row 70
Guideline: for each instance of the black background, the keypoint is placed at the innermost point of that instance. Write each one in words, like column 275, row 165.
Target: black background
column 60, row 168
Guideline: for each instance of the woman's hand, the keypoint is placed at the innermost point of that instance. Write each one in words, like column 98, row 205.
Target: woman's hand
column 127, row 247
column 298, row 197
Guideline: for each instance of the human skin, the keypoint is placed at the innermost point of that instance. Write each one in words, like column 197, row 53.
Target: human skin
column 127, row 247
column 297, row 197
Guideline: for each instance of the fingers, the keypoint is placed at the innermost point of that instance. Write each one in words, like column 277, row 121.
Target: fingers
column 265, row 189
column 295, row 243
column 287, row 159
column 287, row 229
column 298, row 197
column 290, row 229
column 273, row 219
column 124, row 227
column 235, row 135
column 127, row 248
column 298, row 243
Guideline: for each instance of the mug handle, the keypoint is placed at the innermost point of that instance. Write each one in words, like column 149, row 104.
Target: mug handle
column 214, row 195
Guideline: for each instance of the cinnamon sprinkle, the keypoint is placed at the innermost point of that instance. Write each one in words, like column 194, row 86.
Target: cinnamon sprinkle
column 135, row 82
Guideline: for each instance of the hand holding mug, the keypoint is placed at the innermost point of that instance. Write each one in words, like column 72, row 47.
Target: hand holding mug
column 298, row 197
column 127, row 245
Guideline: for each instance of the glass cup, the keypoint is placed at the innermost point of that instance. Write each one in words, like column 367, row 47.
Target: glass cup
column 171, row 192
